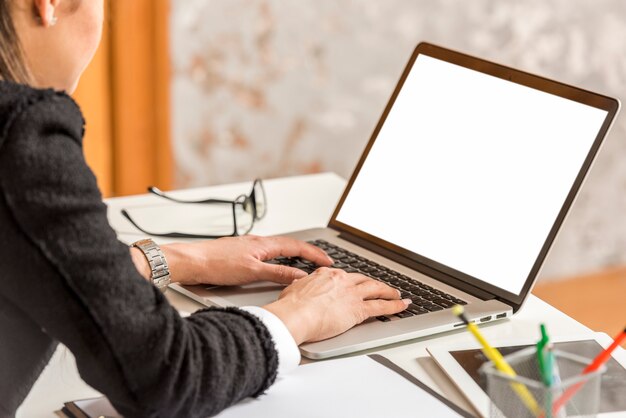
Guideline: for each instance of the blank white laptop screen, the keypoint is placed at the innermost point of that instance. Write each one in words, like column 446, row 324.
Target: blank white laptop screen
column 471, row 171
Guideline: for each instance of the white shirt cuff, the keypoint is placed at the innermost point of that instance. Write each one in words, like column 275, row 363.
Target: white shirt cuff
column 288, row 352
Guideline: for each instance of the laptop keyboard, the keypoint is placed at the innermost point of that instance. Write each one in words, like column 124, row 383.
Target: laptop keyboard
column 425, row 298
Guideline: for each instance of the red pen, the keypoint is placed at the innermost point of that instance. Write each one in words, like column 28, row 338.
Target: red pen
column 602, row 358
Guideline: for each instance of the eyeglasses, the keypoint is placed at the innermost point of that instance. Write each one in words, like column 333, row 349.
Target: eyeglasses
column 246, row 209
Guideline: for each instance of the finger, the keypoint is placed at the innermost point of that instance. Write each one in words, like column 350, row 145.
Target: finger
column 385, row 307
column 290, row 247
column 279, row 273
column 372, row 289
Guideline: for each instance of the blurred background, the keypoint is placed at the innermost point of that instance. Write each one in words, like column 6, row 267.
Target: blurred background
column 188, row 93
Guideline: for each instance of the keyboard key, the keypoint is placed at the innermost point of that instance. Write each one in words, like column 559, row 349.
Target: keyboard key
column 420, row 292
column 449, row 297
column 416, row 310
column 404, row 314
column 433, row 307
column 445, row 303
column 383, row 318
column 419, row 301
column 350, row 270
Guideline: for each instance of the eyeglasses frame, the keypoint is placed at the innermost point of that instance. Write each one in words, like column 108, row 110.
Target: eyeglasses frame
column 242, row 200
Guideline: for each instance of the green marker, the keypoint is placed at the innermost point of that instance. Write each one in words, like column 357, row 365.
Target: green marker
column 545, row 364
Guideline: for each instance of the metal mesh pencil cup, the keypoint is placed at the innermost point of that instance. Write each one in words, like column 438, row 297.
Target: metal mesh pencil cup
column 505, row 401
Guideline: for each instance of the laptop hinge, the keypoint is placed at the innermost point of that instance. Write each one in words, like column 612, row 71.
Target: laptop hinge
column 430, row 272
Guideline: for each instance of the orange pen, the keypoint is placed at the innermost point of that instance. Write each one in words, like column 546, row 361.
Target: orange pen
column 602, row 358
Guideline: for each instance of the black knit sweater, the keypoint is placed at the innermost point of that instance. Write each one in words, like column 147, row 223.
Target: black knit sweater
column 64, row 277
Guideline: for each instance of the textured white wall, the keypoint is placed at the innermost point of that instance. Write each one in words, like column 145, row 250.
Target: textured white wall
column 277, row 87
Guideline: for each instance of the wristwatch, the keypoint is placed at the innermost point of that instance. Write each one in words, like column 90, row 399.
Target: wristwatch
column 158, row 264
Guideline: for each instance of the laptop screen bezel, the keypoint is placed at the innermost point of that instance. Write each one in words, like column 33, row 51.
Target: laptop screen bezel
column 606, row 103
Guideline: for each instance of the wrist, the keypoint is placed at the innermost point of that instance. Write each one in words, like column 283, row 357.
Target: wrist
column 159, row 270
column 141, row 263
column 180, row 265
column 294, row 322
column 185, row 265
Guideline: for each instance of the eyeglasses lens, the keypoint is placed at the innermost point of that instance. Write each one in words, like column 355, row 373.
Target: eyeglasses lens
column 244, row 216
column 261, row 201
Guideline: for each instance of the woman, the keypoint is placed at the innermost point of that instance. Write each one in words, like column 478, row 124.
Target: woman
column 66, row 278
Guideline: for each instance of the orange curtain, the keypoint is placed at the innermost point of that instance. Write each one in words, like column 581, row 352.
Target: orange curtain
column 124, row 95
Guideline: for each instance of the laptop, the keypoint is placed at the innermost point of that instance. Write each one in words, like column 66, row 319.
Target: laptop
column 456, row 198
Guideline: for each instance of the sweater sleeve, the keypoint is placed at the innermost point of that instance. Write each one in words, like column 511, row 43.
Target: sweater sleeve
column 83, row 289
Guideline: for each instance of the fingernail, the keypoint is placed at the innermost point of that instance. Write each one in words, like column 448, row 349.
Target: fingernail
column 330, row 259
column 407, row 302
column 399, row 293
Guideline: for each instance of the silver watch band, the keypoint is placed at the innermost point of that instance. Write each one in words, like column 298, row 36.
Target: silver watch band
column 158, row 264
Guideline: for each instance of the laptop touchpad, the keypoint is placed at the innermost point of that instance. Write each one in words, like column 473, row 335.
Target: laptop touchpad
column 255, row 294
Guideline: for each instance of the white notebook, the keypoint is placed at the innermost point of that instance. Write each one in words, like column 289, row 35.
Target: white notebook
column 363, row 386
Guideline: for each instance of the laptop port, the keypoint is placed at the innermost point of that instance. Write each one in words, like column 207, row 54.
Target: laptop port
column 485, row 319
column 500, row 316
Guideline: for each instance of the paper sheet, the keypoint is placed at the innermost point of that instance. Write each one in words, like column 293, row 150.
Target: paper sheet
column 97, row 407
column 351, row 387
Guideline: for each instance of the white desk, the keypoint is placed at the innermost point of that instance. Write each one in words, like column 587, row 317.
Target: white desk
column 294, row 203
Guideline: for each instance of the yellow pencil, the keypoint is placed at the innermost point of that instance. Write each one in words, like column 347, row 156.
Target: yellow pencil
column 494, row 356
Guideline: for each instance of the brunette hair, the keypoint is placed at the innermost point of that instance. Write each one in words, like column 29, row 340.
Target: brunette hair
column 12, row 67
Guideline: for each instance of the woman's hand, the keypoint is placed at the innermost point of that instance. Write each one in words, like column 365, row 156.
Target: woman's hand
column 331, row 301
column 239, row 260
